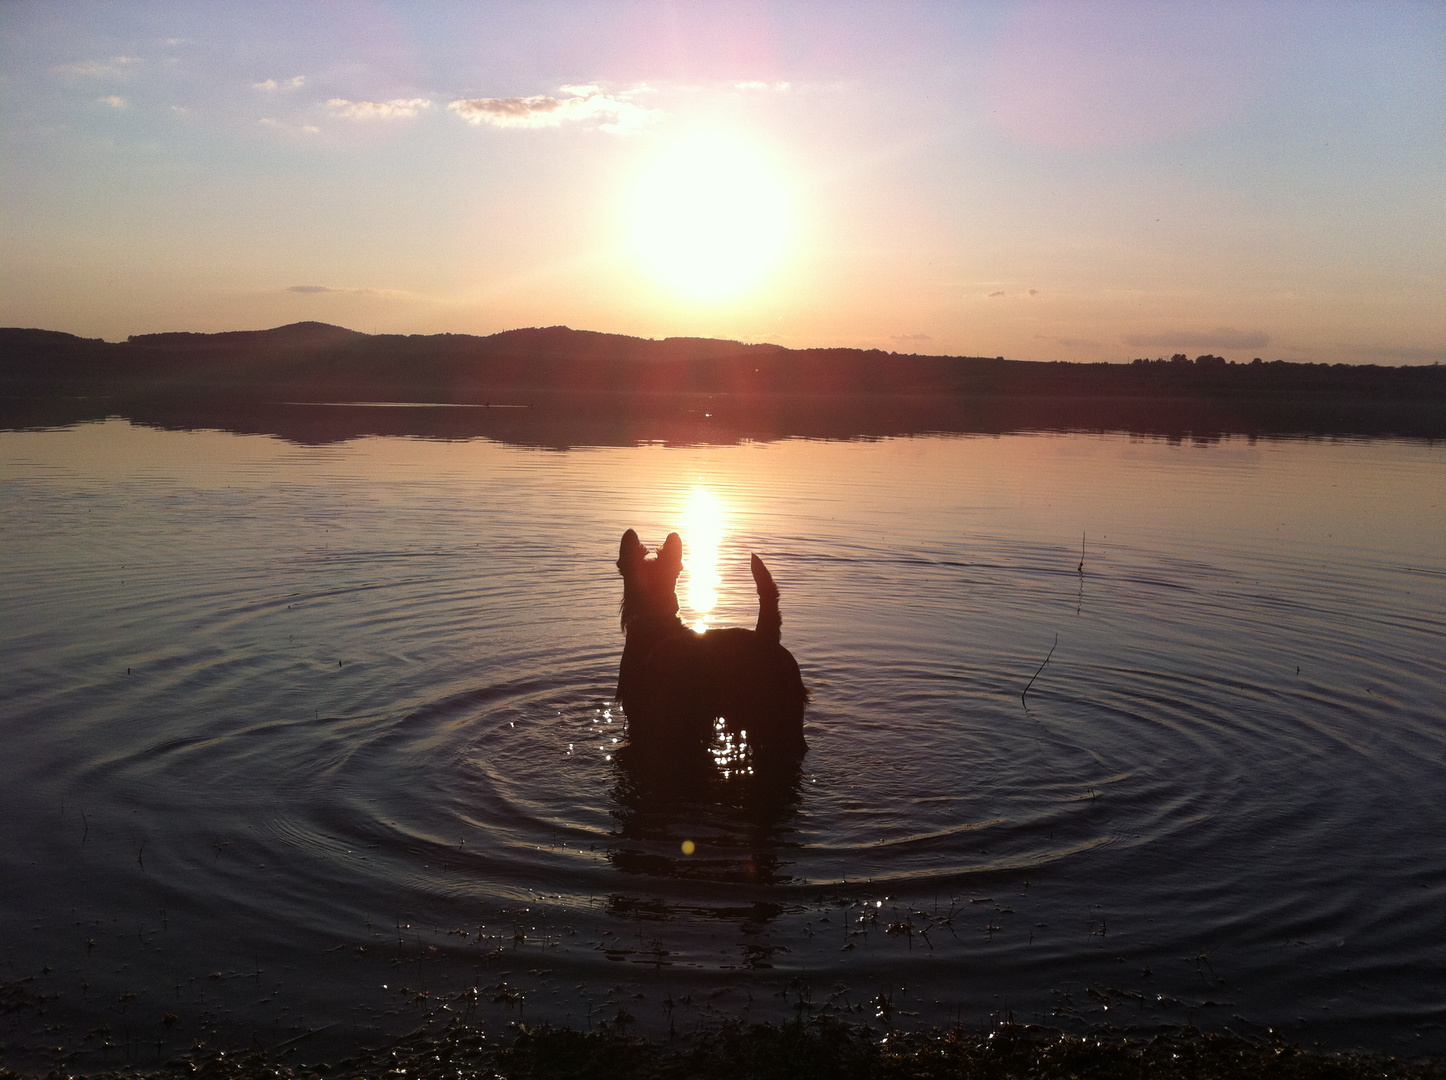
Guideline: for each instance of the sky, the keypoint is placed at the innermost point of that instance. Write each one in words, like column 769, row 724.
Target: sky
column 1038, row 179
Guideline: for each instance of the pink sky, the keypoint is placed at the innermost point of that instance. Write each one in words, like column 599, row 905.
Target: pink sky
column 1042, row 180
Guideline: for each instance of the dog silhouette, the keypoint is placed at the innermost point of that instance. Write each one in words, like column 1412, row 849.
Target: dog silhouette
column 676, row 684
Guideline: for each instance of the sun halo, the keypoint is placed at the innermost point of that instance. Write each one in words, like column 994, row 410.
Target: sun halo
column 709, row 218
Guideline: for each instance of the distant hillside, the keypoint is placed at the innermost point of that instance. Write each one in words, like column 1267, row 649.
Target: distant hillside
column 312, row 361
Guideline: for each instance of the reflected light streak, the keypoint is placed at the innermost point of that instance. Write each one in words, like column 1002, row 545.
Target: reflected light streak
column 702, row 537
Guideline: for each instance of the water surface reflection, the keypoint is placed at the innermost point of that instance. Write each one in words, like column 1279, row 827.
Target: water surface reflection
column 326, row 722
column 702, row 823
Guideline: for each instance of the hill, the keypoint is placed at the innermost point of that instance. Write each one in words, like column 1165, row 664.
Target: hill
column 761, row 389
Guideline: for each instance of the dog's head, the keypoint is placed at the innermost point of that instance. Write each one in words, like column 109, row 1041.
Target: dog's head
column 649, row 581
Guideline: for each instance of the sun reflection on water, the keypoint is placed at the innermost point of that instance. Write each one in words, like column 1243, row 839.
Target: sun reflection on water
column 702, row 537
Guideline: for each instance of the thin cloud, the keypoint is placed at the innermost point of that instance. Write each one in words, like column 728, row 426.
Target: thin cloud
column 272, row 84
column 115, row 101
column 619, row 115
column 759, row 87
column 1223, row 337
column 1001, row 292
column 313, row 290
column 906, row 338
column 116, row 66
column 378, row 110
column 1412, row 354
column 280, row 125
column 1071, row 342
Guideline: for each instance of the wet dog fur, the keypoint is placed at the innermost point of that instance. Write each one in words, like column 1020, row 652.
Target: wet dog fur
column 674, row 682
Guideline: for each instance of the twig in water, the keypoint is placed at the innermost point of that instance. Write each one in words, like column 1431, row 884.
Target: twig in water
column 1080, row 569
column 1041, row 668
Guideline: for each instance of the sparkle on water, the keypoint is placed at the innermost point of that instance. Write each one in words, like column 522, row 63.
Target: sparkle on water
column 295, row 734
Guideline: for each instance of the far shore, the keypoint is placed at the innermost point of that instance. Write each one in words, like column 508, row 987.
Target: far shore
column 558, row 387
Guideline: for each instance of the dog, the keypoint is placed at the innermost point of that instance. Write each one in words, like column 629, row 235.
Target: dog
column 675, row 684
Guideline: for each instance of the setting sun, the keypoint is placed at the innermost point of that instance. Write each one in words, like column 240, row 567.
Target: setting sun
column 709, row 218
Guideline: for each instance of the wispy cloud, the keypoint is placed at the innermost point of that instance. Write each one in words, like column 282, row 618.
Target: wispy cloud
column 1411, row 354
column 281, row 125
column 313, row 290
column 272, row 84
column 116, row 66
column 1223, row 337
column 1000, row 292
column 378, row 110
column 1071, row 342
column 617, row 113
column 759, row 87
column 115, row 101
column 911, row 338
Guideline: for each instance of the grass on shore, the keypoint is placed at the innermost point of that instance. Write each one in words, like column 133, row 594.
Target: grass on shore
column 813, row 1050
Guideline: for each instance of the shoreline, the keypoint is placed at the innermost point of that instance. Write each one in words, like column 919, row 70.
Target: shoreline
column 586, row 388
column 445, row 1046
column 555, row 419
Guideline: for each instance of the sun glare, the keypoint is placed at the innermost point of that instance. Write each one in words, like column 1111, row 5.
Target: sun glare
column 702, row 537
column 709, row 218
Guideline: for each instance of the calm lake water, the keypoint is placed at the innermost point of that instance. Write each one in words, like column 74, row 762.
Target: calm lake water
column 302, row 741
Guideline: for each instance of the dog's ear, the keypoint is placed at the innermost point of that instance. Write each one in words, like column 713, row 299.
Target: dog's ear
column 630, row 552
column 670, row 555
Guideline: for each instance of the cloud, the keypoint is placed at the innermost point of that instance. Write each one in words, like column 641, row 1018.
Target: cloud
column 1033, row 292
column 378, row 110
column 1408, row 353
column 115, row 101
column 754, row 85
column 1071, row 342
column 313, row 290
column 116, row 66
column 619, row 115
column 999, row 293
column 1223, row 337
column 272, row 84
column 279, row 125
column 911, row 337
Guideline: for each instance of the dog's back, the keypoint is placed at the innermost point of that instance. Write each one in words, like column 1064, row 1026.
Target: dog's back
column 674, row 683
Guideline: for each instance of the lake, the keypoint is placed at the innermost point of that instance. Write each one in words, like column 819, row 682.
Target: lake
column 305, row 740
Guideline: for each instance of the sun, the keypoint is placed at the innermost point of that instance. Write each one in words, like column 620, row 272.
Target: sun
column 709, row 218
